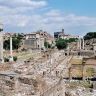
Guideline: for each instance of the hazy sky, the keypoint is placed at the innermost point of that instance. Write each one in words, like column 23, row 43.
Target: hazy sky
column 75, row 16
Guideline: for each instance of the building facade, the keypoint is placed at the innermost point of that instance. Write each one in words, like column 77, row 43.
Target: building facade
column 59, row 34
column 35, row 40
column 62, row 35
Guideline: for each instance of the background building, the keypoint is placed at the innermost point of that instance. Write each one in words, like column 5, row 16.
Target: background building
column 35, row 40
column 62, row 35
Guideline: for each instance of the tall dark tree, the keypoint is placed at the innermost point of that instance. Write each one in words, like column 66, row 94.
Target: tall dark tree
column 90, row 35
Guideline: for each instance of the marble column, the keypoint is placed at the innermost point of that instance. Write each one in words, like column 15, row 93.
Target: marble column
column 68, row 50
column 1, row 44
column 80, row 43
column 11, row 51
column 83, row 45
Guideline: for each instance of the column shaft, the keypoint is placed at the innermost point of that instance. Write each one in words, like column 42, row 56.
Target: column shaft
column 11, row 51
column 11, row 47
column 80, row 43
column 83, row 44
column 1, row 48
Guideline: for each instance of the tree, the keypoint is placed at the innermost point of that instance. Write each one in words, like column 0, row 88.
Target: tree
column 90, row 35
column 15, row 58
column 16, row 41
column 47, row 45
column 72, row 40
column 6, row 44
column 61, row 44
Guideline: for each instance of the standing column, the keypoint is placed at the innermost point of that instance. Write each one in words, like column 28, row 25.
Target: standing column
column 11, row 51
column 68, row 50
column 83, row 44
column 1, row 44
column 80, row 43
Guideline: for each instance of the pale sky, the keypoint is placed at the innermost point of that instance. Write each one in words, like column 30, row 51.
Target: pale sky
column 75, row 16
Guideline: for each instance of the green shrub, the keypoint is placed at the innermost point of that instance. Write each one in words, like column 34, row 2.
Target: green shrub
column 6, row 59
column 15, row 58
column 47, row 45
column 61, row 44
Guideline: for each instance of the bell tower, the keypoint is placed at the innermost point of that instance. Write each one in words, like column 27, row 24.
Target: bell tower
column 63, row 31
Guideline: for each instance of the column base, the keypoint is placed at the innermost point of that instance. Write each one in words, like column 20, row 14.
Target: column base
column 11, row 59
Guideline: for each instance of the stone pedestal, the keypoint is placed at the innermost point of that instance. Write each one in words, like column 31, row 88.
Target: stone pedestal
column 11, row 59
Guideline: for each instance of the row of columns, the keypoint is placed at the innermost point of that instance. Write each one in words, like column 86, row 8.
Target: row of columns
column 81, row 44
column 1, row 46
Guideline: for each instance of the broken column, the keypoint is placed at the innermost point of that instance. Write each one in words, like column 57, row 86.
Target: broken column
column 1, row 44
column 16, row 86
